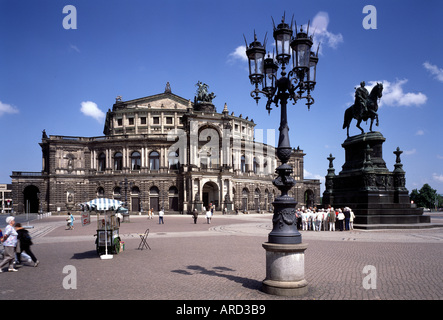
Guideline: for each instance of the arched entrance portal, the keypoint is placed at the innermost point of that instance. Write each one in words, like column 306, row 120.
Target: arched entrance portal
column 309, row 198
column 31, row 201
column 211, row 194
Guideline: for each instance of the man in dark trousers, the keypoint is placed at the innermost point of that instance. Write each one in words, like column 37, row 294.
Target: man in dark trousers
column 25, row 243
column 347, row 213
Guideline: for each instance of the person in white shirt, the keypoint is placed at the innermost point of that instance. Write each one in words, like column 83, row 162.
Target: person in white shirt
column 161, row 213
column 304, row 220
column 351, row 220
column 9, row 243
column 331, row 219
column 319, row 219
column 208, row 216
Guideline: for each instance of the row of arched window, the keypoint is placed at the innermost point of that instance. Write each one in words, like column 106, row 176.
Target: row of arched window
column 173, row 162
column 135, row 191
column 135, row 161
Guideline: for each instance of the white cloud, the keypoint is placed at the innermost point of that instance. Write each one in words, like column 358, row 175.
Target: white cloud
column 393, row 94
column 437, row 177
column 309, row 175
column 75, row 48
column 7, row 108
column 410, row 152
column 420, row 133
column 319, row 27
column 434, row 70
column 90, row 109
column 238, row 54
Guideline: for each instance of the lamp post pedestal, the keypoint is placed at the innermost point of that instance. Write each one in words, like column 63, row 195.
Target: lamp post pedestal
column 285, row 269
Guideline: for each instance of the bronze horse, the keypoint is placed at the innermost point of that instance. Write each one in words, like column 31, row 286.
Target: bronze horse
column 360, row 114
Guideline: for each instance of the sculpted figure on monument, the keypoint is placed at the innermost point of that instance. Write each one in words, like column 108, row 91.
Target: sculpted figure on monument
column 202, row 93
column 365, row 106
column 361, row 95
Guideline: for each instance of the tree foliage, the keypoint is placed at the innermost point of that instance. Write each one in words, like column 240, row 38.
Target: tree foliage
column 426, row 197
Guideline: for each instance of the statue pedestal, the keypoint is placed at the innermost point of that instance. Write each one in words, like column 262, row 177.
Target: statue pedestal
column 198, row 205
column 285, row 269
column 378, row 197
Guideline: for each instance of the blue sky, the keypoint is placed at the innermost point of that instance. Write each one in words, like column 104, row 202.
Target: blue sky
column 64, row 80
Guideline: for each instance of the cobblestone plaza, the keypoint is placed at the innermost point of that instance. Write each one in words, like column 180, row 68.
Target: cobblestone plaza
column 224, row 260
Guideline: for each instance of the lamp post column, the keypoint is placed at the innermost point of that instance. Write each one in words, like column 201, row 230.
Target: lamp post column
column 284, row 249
column 284, row 220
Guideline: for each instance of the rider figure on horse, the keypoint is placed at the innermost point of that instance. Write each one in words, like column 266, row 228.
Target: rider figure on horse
column 361, row 96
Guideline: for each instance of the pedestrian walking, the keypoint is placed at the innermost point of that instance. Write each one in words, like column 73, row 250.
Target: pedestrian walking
column 151, row 213
column 208, row 216
column 25, row 243
column 195, row 215
column 70, row 219
column 9, row 243
column 161, row 213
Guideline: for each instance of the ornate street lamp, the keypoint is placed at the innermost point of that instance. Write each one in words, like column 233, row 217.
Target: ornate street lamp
column 295, row 85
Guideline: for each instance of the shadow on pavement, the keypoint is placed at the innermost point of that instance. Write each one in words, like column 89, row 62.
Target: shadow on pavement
column 219, row 272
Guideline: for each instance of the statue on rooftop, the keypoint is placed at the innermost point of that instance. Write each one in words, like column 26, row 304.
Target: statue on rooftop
column 202, row 93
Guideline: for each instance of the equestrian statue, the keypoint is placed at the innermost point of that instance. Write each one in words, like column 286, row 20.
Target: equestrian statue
column 365, row 106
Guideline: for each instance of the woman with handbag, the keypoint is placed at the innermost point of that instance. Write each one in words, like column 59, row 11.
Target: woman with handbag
column 9, row 243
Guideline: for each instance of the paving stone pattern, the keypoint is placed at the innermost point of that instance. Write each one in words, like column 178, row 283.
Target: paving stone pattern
column 224, row 260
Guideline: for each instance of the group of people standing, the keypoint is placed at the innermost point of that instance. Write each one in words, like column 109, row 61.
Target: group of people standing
column 161, row 215
column 329, row 219
column 14, row 234
column 209, row 212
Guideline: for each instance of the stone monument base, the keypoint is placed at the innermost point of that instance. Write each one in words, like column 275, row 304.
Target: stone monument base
column 285, row 269
column 378, row 197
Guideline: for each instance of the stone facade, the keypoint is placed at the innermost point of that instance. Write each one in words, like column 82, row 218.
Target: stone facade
column 161, row 151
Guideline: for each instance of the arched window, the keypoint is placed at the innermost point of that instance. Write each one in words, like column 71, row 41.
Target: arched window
column 101, row 162
column 100, row 192
column 173, row 198
column 118, row 161
column 256, row 166
column 173, row 160
column 135, row 160
column 257, row 199
column 117, row 191
column 154, row 160
column 244, row 200
column 154, row 192
column 154, row 198
column 135, row 190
